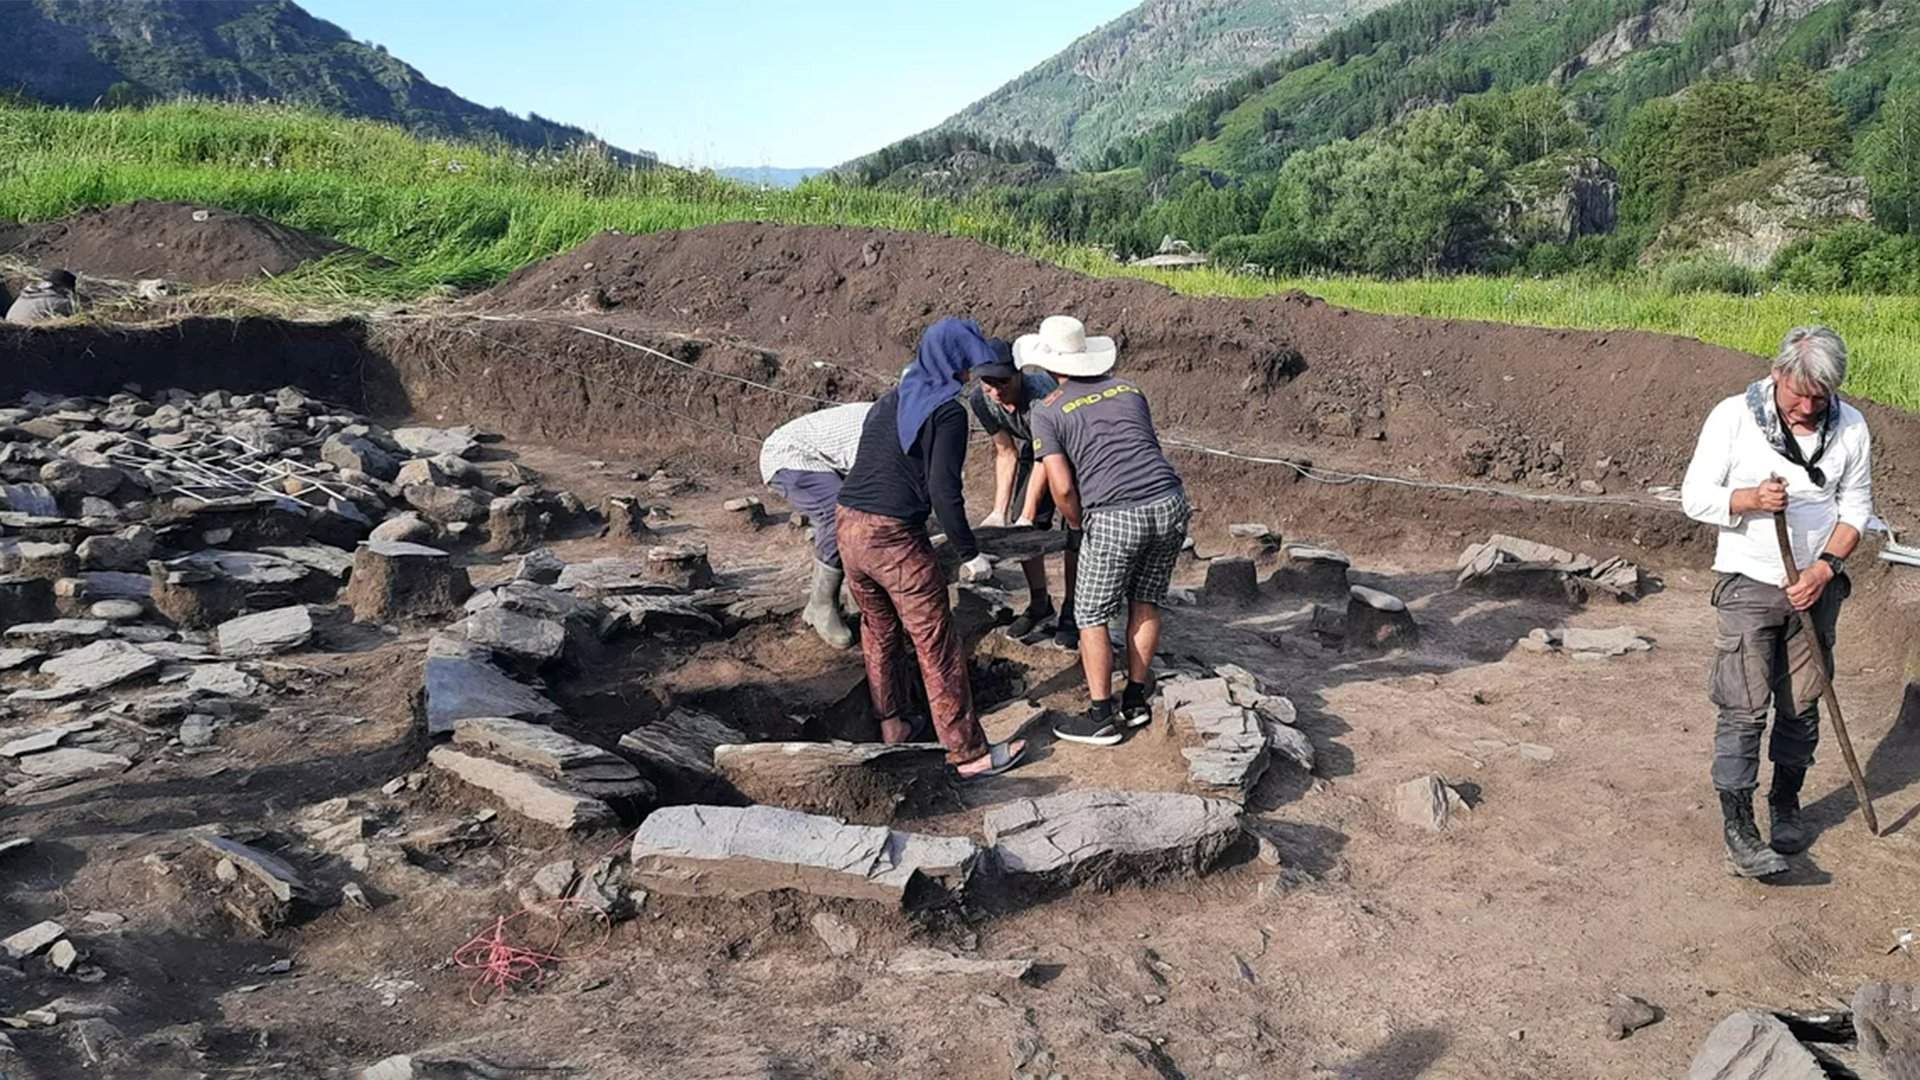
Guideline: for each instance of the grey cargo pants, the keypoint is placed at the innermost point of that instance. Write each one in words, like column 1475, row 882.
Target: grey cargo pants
column 1762, row 662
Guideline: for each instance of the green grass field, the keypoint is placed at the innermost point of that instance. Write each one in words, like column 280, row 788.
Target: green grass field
column 453, row 216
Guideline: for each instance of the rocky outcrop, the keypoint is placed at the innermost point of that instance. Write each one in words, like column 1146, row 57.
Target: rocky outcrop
column 1664, row 24
column 1560, row 200
column 1758, row 213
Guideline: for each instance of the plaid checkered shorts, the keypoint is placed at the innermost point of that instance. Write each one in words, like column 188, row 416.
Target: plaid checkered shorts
column 1128, row 555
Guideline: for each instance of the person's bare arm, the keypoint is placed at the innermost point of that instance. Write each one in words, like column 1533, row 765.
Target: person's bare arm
column 1066, row 495
column 1038, row 484
column 1006, row 465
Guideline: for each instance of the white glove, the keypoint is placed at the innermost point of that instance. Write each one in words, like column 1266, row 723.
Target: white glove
column 1024, row 523
column 979, row 569
column 995, row 520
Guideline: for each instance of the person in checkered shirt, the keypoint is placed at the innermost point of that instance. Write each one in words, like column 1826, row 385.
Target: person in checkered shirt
column 1126, row 512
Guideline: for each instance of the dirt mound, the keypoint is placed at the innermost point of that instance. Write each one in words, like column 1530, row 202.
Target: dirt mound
column 1443, row 400
column 176, row 241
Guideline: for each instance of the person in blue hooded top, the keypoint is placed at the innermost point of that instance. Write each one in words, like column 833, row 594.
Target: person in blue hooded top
column 908, row 466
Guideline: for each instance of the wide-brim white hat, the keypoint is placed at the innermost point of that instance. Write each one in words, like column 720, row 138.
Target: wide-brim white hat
column 1063, row 347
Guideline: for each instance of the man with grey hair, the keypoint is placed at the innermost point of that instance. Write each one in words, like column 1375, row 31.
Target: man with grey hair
column 1787, row 446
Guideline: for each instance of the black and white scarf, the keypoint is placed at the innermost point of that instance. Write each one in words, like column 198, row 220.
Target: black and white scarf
column 1766, row 414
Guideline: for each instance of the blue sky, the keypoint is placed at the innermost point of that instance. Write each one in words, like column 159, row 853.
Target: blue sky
column 726, row 82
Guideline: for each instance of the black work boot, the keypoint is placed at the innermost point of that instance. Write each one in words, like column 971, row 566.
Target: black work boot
column 1789, row 834
column 1746, row 853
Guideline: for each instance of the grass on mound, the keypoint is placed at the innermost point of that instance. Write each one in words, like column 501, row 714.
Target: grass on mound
column 454, row 216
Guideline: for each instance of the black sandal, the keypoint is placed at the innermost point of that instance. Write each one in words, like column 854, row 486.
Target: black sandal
column 999, row 760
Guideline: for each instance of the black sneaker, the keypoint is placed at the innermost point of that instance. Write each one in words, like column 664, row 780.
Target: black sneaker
column 1095, row 727
column 1135, row 709
column 1031, row 622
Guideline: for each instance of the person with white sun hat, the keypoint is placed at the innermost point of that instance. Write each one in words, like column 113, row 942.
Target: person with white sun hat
column 1125, row 507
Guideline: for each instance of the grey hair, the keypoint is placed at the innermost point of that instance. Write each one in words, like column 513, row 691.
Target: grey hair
column 1813, row 354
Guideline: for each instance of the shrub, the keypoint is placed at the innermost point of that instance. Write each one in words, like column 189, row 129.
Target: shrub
column 1708, row 274
column 1267, row 250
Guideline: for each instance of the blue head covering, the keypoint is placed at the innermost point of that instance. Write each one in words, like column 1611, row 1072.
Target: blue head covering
column 948, row 348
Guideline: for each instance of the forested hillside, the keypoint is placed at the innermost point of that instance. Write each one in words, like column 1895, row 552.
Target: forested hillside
column 117, row 52
column 1734, row 138
column 1144, row 67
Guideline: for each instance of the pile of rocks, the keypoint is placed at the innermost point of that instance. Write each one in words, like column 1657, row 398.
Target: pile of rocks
column 1879, row 1036
column 1239, row 724
column 490, row 673
column 181, row 539
column 1511, row 566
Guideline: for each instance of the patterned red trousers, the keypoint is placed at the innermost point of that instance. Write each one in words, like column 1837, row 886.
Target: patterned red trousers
column 903, row 599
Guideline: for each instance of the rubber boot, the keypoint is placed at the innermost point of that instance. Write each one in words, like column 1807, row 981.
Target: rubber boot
column 823, row 606
column 1788, row 835
column 1747, row 855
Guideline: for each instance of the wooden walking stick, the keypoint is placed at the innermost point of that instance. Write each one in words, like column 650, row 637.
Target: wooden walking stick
column 1826, row 684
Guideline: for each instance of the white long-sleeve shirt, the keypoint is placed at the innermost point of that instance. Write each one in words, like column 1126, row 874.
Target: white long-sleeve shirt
column 1734, row 453
column 821, row 441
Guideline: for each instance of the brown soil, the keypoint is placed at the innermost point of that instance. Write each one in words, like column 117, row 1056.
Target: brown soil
column 147, row 239
column 1590, row 864
column 1451, row 400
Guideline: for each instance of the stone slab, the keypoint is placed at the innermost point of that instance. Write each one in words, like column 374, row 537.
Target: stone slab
column 533, row 797
column 459, row 687
column 739, row 851
column 265, row 633
column 1101, row 837
column 1752, row 1045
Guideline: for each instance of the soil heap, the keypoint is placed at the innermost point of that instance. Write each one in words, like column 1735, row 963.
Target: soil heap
column 171, row 240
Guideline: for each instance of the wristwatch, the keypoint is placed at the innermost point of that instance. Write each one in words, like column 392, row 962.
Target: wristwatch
column 1838, row 564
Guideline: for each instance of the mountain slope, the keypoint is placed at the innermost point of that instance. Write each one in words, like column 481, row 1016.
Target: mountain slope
column 78, row 52
column 1605, row 56
column 1145, row 66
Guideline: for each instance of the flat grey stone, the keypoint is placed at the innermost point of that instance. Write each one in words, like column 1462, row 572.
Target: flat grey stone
column 12, row 659
column 1377, row 600
column 736, row 851
column 534, row 797
column 116, row 585
column 594, row 771
column 610, row 577
column 99, row 665
column 461, row 687
column 517, row 637
column 58, row 631
column 1104, row 837
column 1234, row 744
column 1753, row 1045
column 33, row 940
column 429, row 441
column 935, row 964
column 1886, row 1017
column 250, row 568
column 331, row 561
column 71, row 761
column 46, row 738
column 540, row 566
column 1427, row 802
column 223, row 680
column 272, row 871
column 265, row 633
column 1613, row 641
